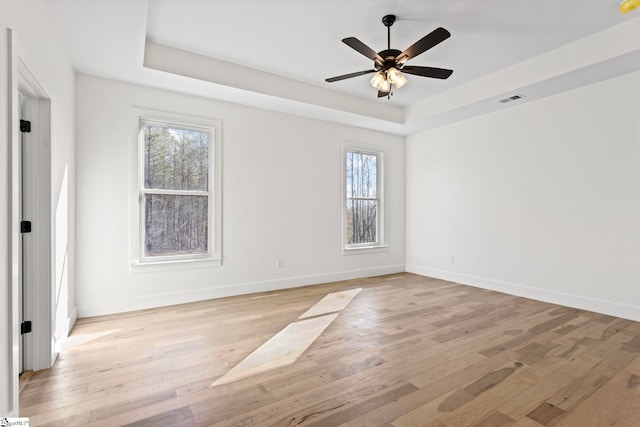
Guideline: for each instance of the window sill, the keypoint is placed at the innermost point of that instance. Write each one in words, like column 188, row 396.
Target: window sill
column 364, row 250
column 183, row 264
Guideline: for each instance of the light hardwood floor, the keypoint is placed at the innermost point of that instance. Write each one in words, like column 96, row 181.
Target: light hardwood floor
column 407, row 351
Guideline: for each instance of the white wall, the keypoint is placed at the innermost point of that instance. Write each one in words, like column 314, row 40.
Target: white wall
column 540, row 200
column 282, row 198
column 32, row 24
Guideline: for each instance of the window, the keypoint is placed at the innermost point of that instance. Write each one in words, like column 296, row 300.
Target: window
column 178, row 191
column 363, row 201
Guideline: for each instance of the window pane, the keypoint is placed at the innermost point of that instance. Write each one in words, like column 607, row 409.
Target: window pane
column 361, row 175
column 175, row 225
column 176, row 159
column 361, row 221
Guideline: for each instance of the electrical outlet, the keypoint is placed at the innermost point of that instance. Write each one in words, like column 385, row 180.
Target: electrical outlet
column 280, row 263
column 452, row 258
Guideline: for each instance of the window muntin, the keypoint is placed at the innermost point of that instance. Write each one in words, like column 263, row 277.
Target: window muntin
column 362, row 199
column 175, row 193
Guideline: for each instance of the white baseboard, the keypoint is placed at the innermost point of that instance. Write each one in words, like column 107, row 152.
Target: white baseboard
column 591, row 304
column 120, row 305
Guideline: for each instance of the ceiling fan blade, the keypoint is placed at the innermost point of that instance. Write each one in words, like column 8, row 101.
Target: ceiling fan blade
column 382, row 94
column 427, row 42
column 356, row 44
column 436, row 73
column 348, row 76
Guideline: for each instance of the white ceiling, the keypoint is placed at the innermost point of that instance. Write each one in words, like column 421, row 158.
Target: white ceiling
column 284, row 49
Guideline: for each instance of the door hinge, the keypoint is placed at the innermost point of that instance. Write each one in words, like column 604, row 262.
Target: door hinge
column 25, row 226
column 25, row 327
column 25, row 126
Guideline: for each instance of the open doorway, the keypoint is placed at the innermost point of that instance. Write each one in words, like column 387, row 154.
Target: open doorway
column 24, row 237
column 31, row 218
column 36, row 287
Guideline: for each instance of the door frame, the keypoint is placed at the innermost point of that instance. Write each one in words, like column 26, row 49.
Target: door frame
column 39, row 292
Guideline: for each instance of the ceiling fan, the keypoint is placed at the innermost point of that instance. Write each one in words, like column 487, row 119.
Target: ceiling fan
column 389, row 64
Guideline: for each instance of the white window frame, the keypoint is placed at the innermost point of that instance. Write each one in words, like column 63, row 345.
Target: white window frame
column 380, row 243
column 145, row 117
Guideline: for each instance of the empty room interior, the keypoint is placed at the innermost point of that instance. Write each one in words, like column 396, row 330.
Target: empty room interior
column 332, row 213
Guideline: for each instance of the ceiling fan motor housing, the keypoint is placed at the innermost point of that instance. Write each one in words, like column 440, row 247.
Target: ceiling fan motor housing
column 389, row 56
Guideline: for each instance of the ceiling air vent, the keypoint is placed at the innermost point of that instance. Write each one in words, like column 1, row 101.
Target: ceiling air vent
column 512, row 98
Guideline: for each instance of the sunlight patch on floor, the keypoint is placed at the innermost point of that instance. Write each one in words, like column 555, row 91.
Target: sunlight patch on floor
column 74, row 341
column 335, row 301
column 287, row 346
column 282, row 349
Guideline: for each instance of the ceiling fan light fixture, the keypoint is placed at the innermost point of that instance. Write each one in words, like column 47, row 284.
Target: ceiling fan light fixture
column 396, row 78
column 377, row 79
column 385, row 86
column 393, row 75
column 402, row 80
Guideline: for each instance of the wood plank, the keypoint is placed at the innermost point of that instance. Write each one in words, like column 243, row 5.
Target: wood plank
column 615, row 403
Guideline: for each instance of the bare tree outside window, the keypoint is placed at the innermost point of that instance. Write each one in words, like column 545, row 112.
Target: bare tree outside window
column 175, row 190
column 362, row 198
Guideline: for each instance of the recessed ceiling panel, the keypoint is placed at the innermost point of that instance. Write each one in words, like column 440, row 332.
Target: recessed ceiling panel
column 302, row 39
